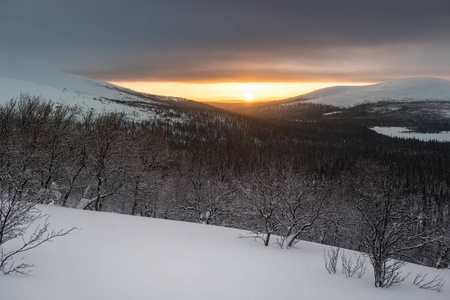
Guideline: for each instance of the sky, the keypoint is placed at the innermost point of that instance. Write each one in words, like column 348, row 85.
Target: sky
column 212, row 50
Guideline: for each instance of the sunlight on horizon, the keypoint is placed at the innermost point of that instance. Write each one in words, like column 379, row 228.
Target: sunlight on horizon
column 256, row 91
column 249, row 96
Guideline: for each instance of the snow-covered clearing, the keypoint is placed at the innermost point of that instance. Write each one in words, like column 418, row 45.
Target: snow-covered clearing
column 403, row 132
column 116, row 257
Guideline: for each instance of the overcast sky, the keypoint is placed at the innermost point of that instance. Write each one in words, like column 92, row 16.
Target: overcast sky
column 226, row 41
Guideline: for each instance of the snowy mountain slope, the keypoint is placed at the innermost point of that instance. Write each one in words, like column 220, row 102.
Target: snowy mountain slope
column 402, row 89
column 80, row 92
column 116, row 257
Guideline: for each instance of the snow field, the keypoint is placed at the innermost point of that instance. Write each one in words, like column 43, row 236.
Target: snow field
column 116, row 257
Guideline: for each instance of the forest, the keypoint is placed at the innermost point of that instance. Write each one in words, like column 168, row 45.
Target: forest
column 323, row 180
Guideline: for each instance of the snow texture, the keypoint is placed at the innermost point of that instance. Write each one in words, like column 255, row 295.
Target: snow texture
column 116, row 257
column 408, row 89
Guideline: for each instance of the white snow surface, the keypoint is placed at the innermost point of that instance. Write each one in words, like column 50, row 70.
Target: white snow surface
column 403, row 132
column 116, row 257
column 408, row 89
column 72, row 90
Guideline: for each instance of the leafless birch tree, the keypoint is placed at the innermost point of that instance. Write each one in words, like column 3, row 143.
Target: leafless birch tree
column 389, row 227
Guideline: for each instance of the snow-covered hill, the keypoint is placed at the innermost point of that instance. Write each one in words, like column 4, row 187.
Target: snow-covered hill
column 411, row 89
column 116, row 257
column 80, row 92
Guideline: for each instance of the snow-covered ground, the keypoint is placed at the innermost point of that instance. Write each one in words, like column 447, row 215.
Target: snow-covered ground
column 409, row 89
column 403, row 132
column 117, row 257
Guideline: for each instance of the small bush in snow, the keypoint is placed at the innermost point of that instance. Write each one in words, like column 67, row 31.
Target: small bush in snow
column 350, row 268
column 435, row 284
column 331, row 258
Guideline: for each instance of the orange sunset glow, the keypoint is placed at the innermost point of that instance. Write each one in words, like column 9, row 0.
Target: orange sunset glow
column 255, row 91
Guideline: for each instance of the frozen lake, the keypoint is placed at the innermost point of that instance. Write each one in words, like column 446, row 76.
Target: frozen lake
column 403, row 132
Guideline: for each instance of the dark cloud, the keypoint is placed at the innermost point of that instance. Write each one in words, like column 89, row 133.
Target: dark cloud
column 196, row 40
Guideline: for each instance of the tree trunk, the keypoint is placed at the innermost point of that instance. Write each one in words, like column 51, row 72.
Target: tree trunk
column 442, row 256
column 136, row 186
column 98, row 205
column 267, row 239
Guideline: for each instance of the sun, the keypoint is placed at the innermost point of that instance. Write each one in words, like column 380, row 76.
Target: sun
column 249, row 96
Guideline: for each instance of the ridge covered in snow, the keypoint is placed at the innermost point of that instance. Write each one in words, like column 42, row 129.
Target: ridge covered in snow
column 76, row 91
column 408, row 89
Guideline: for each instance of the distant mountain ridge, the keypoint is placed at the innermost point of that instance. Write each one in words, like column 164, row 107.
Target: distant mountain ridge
column 81, row 92
column 411, row 89
column 182, row 119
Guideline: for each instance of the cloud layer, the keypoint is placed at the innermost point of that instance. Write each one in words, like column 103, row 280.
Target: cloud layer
column 217, row 41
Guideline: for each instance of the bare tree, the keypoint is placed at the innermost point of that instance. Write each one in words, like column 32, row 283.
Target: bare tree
column 53, row 147
column 19, row 193
column 151, row 156
column 303, row 204
column 284, row 203
column 389, row 227
column 208, row 198
column 264, row 194
column 106, row 158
